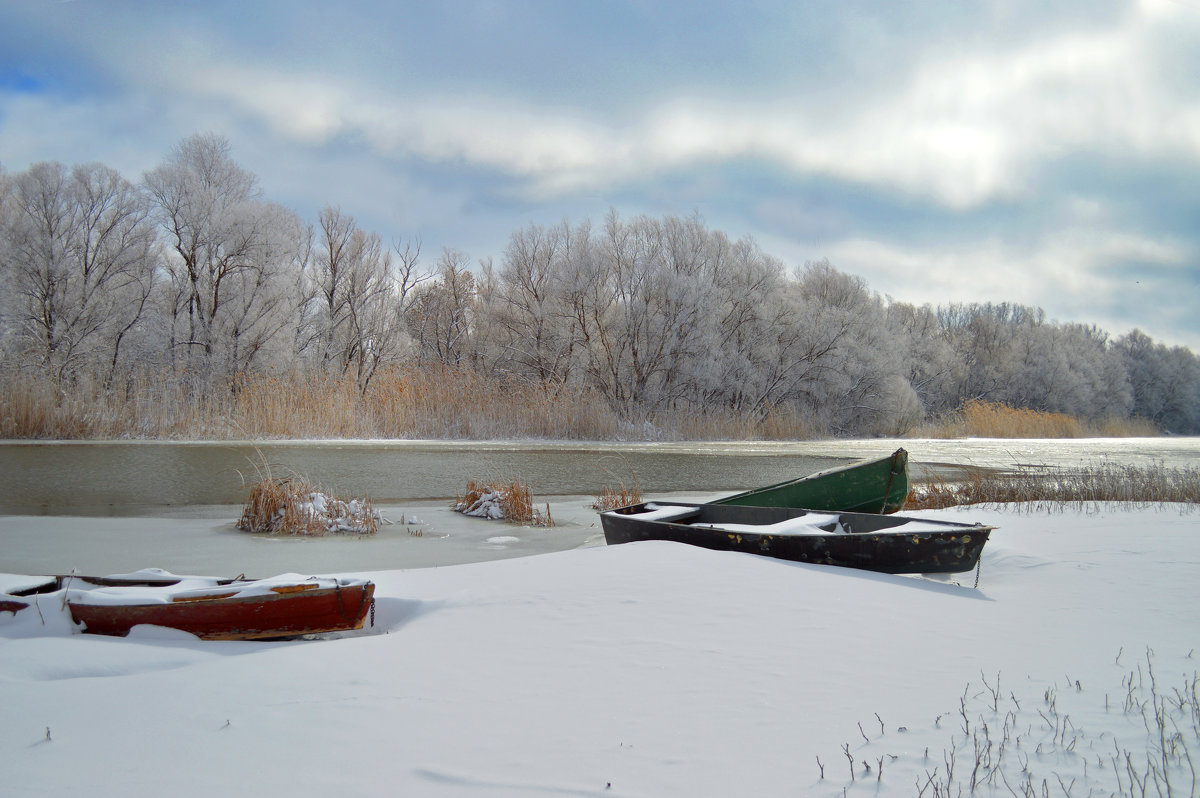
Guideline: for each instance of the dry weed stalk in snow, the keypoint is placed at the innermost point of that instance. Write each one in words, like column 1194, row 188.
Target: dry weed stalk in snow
column 1044, row 745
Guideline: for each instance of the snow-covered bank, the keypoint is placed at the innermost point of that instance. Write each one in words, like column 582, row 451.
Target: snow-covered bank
column 641, row 670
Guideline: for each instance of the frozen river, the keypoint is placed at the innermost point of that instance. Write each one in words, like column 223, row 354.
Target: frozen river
column 118, row 506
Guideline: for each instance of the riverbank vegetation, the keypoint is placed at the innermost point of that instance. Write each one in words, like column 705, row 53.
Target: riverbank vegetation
column 1082, row 489
column 185, row 305
column 979, row 419
column 439, row 403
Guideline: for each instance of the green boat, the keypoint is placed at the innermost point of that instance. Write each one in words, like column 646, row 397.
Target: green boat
column 867, row 486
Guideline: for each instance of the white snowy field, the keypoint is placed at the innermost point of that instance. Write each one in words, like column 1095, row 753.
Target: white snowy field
column 657, row 669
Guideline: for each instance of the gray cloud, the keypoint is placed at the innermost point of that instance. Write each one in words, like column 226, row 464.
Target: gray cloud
column 946, row 152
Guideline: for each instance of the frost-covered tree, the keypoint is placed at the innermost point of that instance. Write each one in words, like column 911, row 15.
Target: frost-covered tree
column 263, row 298
column 1164, row 382
column 441, row 316
column 928, row 361
column 538, row 333
column 78, row 257
column 7, row 303
column 353, row 304
column 739, row 372
column 986, row 339
column 1012, row 354
column 409, row 274
column 855, row 380
column 1182, row 412
column 232, row 253
column 654, row 327
column 1068, row 369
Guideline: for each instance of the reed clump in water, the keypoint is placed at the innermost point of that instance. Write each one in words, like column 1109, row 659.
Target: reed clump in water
column 291, row 506
column 1085, row 488
column 511, row 501
column 623, row 495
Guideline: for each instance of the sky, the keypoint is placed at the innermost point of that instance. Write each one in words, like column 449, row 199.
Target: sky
column 1040, row 153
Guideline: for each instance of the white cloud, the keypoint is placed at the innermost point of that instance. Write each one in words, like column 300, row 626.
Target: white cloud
column 965, row 128
column 1072, row 273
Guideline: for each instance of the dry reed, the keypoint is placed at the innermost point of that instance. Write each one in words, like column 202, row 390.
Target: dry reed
column 430, row 402
column 1084, row 489
column 290, row 506
column 612, row 498
column 443, row 402
column 623, row 495
column 511, row 501
column 1124, row 428
column 293, row 506
column 998, row 420
column 777, row 424
column 283, row 406
column 1152, row 757
column 980, row 419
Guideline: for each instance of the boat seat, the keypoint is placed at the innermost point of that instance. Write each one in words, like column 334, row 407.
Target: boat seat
column 811, row 524
column 670, row 512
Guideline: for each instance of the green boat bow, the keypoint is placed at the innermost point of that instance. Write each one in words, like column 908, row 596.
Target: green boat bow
column 867, row 486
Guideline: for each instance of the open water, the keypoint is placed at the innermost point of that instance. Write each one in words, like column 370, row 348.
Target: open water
column 141, row 477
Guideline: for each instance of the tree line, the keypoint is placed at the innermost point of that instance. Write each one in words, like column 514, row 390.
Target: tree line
column 193, row 275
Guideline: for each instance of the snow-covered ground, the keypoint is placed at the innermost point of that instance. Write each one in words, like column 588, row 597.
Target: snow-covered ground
column 656, row 669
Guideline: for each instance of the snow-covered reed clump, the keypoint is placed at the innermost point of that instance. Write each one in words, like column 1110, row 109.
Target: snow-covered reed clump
column 293, row 507
column 511, row 502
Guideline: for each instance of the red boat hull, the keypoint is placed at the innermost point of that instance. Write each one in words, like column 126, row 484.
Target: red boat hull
column 12, row 605
column 238, row 617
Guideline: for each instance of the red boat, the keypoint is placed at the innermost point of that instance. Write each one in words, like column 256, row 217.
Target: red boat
column 214, row 609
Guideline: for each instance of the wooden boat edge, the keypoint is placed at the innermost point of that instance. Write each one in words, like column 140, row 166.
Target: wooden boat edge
column 891, row 501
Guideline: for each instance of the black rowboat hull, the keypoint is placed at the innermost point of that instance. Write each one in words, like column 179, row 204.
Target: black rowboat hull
column 870, row 542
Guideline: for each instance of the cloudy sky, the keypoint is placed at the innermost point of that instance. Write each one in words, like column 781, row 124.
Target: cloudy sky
column 1045, row 153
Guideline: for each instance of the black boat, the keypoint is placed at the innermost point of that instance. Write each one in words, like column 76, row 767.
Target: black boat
column 887, row 543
